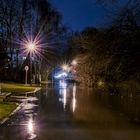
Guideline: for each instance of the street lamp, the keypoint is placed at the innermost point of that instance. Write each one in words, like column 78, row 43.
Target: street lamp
column 65, row 67
column 31, row 46
column 74, row 63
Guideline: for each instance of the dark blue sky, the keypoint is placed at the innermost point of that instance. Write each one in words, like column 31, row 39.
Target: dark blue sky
column 79, row 14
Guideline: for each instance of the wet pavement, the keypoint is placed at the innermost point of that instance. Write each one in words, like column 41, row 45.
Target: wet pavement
column 69, row 114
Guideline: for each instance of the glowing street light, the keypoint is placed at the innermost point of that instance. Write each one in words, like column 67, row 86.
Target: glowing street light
column 74, row 63
column 31, row 46
column 65, row 67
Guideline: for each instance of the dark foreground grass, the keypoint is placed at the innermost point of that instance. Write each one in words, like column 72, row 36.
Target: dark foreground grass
column 6, row 109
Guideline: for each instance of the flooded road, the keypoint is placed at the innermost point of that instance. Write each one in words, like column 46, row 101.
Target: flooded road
column 69, row 114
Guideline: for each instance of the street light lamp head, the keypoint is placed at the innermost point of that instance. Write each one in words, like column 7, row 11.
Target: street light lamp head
column 65, row 67
column 74, row 62
column 31, row 46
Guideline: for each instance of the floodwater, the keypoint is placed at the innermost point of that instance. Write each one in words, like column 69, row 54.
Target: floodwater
column 70, row 113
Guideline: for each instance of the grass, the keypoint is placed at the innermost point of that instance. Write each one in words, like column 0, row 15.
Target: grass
column 11, row 87
column 6, row 109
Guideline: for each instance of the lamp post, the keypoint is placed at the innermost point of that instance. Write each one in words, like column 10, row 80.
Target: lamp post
column 26, row 74
column 31, row 46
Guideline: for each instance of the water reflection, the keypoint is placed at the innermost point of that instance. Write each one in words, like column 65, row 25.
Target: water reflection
column 67, row 96
column 64, row 97
column 30, row 126
column 31, row 133
column 74, row 98
column 62, row 84
column 63, row 93
column 30, row 111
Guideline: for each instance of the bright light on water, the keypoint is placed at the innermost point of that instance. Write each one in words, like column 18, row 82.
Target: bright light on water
column 62, row 84
column 30, row 126
column 64, row 98
column 63, row 92
column 74, row 99
column 31, row 134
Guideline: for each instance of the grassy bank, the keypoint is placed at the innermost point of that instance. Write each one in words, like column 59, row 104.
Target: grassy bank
column 6, row 109
column 11, row 87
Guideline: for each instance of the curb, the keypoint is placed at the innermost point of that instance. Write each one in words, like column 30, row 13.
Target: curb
column 36, row 90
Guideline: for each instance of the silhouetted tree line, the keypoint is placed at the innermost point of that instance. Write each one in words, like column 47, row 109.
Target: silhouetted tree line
column 21, row 18
column 110, row 54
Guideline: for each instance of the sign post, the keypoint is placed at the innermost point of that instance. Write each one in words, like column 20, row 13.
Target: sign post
column 26, row 74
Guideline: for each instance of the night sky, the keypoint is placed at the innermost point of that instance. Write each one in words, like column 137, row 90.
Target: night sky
column 79, row 14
